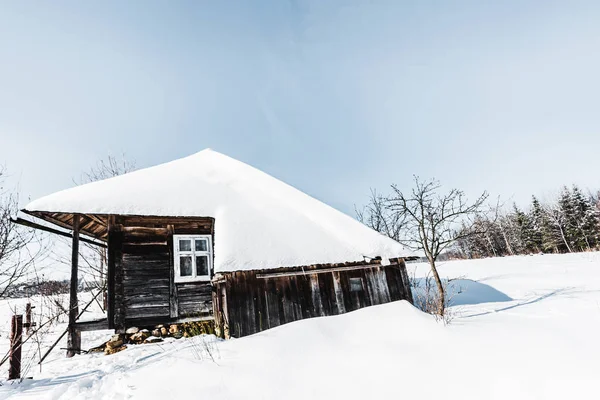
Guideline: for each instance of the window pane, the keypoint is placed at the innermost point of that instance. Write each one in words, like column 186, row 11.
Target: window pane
column 201, row 245
column 185, row 266
column 185, row 245
column 202, row 265
column 356, row 284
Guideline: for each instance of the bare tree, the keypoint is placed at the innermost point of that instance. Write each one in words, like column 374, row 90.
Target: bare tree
column 558, row 220
column 19, row 247
column 94, row 258
column 432, row 222
column 378, row 216
column 107, row 168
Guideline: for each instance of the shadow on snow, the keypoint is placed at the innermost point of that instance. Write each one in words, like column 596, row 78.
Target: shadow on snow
column 464, row 292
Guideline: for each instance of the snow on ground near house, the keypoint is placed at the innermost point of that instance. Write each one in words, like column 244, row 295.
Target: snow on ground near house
column 295, row 229
column 525, row 328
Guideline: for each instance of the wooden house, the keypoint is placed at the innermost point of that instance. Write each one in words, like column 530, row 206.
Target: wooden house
column 207, row 237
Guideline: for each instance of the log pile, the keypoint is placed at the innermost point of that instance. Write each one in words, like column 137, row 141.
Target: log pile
column 135, row 335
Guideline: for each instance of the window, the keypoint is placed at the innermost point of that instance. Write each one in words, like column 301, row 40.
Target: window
column 356, row 284
column 193, row 258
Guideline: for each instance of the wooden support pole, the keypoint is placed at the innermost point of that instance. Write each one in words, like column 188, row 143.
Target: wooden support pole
column 74, row 338
column 16, row 334
column 110, row 273
column 28, row 324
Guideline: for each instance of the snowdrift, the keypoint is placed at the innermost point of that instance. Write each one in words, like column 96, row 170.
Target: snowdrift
column 538, row 342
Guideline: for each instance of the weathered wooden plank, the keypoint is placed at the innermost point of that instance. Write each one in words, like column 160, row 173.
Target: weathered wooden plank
column 338, row 291
column 113, row 243
column 154, row 251
column 316, row 297
column 94, row 325
column 258, row 302
column 156, row 285
column 150, row 321
column 173, row 297
column 309, row 270
column 189, row 310
column 117, row 248
column 143, row 231
column 74, row 337
column 31, row 224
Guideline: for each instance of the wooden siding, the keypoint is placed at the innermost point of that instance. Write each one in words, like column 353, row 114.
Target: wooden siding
column 252, row 301
column 143, row 292
column 194, row 299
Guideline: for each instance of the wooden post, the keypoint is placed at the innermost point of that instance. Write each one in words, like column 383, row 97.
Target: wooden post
column 28, row 324
column 74, row 337
column 110, row 273
column 16, row 333
column 173, row 300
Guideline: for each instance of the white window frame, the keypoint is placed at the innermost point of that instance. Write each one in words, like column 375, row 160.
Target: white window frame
column 193, row 253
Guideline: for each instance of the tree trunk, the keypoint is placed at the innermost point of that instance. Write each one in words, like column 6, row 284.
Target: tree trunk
column 489, row 240
column 562, row 235
column 441, row 293
column 508, row 246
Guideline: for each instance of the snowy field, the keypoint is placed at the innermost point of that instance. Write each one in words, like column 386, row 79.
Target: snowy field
column 524, row 328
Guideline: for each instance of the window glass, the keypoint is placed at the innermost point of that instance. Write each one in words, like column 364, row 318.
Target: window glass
column 201, row 245
column 202, row 265
column 192, row 257
column 356, row 284
column 185, row 245
column 185, row 265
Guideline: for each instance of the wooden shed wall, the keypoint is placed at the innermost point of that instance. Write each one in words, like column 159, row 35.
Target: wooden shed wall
column 252, row 301
column 140, row 251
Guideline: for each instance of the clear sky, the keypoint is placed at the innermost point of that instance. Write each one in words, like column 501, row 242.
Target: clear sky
column 331, row 97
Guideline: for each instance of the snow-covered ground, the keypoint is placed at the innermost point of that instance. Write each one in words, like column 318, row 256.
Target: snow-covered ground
column 524, row 328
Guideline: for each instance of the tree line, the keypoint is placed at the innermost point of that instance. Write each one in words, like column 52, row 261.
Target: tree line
column 568, row 223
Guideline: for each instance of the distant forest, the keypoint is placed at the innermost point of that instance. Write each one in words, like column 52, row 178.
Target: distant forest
column 568, row 223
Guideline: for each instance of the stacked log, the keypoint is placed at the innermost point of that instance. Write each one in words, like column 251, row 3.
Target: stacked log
column 135, row 335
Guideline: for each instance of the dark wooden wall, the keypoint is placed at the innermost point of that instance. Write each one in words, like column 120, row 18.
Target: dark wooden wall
column 140, row 271
column 252, row 301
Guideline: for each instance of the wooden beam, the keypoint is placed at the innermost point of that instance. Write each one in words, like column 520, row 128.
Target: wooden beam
column 98, row 220
column 74, row 337
column 110, row 272
column 33, row 225
column 54, row 219
column 173, row 300
column 87, row 226
column 316, row 271
column 95, row 325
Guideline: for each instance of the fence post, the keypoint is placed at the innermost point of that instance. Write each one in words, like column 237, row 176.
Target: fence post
column 16, row 334
column 28, row 324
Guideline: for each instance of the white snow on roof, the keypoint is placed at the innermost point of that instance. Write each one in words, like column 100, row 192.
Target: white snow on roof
column 260, row 222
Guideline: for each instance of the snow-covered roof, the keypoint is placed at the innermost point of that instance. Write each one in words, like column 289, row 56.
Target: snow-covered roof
column 260, row 222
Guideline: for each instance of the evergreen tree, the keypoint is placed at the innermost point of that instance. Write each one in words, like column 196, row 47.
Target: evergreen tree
column 590, row 223
column 585, row 220
column 525, row 235
column 541, row 228
column 565, row 219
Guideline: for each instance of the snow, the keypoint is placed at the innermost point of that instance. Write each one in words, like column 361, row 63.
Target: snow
column 260, row 222
column 524, row 328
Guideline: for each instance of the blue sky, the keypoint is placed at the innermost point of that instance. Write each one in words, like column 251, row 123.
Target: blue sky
column 331, row 97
